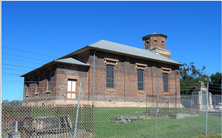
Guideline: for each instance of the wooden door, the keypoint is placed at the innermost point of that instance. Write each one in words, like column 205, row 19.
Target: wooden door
column 71, row 90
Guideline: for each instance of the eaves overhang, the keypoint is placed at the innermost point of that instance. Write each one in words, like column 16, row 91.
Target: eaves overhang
column 55, row 62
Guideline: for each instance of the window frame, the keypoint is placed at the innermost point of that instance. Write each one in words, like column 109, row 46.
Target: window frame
column 49, row 80
column 168, row 72
column 37, row 85
column 113, row 76
column 140, row 81
column 38, row 80
column 28, row 83
column 28, row 87
column 114, row 63
column 166, row 83
column 72, row 92
column 143, row 67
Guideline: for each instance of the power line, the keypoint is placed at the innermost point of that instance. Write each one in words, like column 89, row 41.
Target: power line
column 37, row 43
column 32, row 41
column 12, row 69
column 16, row 65
column 10, row 74
column 27, row 51
column 23, row 56
column 20, row 60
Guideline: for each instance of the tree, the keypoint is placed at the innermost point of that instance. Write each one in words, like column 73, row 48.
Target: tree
column 190, row 76
column 216, row 78
column 5, row 102
column 188, row 86
column 215, row 86
column 12, row 103
column 190, row 72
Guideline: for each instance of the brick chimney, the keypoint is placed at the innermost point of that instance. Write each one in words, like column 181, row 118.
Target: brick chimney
column 156, row 43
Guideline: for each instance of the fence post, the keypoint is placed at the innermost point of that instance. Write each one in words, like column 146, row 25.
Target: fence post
column 146, row 104
column 191, row 102
column 207, row 106
column 94, row 75
column 156, row 108
column 214, row 101
column 77, row 110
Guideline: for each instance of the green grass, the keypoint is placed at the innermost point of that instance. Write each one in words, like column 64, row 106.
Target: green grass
column 17, row 114
column 4, row 134
column 166, row 128
column 210, row 136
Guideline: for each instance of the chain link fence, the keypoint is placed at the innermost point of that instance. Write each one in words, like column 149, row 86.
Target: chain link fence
column 47, row 120
column 117, row 116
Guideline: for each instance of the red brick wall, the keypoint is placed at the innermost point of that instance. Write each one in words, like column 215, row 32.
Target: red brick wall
column 159, row 43
column 125, row 78
column 65, row 72
column 43, row 88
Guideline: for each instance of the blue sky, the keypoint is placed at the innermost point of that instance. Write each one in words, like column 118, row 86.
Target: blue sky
column 34, row 33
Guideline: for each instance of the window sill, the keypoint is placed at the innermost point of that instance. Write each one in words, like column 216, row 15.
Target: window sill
column 167, row 93
column 141, row 91
column 110, row 90
column 71, row 99
column 48, row 92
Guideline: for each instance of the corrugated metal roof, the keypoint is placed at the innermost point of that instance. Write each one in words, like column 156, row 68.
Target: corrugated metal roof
column 129, row 50
column 71, row 61
column 112, row 47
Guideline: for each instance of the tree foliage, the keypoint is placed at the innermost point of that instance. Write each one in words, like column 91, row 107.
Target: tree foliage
column 190, row 76
column 190, row 72
column 188, row 86
column 216, row 78
column 12, row 103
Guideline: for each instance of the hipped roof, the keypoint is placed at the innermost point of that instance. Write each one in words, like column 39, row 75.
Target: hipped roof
column 111, row 47
column 69, row 60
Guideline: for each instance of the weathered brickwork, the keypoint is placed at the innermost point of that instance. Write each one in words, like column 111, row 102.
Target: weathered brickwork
column 66, row 72
column 125, row 77
column 155, row 41
column 42, row 89
column 125, row 80
column 125, row 92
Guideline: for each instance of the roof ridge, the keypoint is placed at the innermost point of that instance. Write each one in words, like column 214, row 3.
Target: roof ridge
column 129, row 46
column 117, row 43
column 130, row 50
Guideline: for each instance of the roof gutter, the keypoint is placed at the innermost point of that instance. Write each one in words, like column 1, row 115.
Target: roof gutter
column 43, row 66
column 48, row 64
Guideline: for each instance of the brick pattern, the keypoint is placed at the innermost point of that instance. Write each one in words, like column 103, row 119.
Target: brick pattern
column 155, row 41
column 41, row 90
column 125, row 78
column 157, row 44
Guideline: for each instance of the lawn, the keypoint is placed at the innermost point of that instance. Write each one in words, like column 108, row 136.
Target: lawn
column 166, row 128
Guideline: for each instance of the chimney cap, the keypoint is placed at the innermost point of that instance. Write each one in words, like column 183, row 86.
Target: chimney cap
column 153, row 34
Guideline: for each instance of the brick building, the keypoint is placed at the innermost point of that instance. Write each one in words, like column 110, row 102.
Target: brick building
column 124, row 75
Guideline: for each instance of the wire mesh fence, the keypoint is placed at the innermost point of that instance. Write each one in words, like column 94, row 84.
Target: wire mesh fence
column 48, row 120
column 116, row 116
